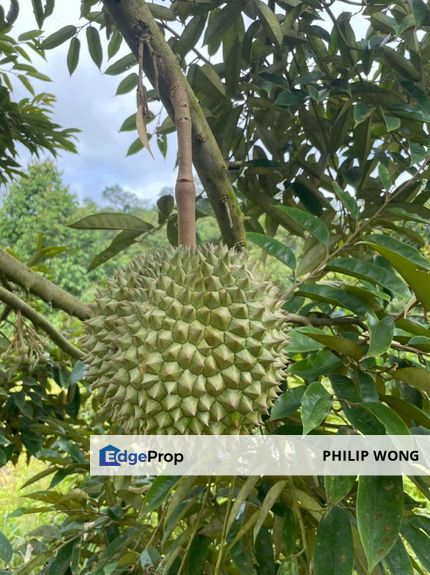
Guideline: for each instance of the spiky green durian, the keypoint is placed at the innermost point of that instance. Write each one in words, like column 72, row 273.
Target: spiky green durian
column 187, row 341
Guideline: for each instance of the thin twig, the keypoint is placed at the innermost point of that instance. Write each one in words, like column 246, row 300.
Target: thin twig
column 38, row 320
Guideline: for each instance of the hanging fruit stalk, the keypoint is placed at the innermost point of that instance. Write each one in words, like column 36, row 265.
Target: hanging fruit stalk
column 185, row 190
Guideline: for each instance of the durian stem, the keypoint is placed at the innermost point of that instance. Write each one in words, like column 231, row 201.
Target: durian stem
column 38, row 320
column 185, row 190
column 207, row 157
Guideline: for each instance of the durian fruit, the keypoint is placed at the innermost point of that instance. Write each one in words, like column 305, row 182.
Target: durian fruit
column 187, row 340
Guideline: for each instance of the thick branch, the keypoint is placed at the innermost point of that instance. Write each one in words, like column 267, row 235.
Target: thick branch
column 207, row 158
column 38, row 320
column 31, row 282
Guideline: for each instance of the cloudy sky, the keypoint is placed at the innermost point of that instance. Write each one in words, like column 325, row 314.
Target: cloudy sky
column 87, row 101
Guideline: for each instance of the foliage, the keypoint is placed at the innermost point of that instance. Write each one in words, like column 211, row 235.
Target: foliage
column 26, row 121
column 326, row 137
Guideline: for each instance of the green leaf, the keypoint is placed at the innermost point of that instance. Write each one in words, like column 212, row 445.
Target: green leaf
column 112, row 221
column 316, row 405
column 393, row 423
column 60, row 564
column 114, row 44
column 129, row 123
column 161, row 12
column 392, row 123
column 419, row 541
column 165, row 205
column 38, row 11
column 270, row 499
column 270, row 23
column 302, row 343
column 6, row 550
column 403, row 249
column 379, row 512
column 381, row 335
column 398, row 560
column 408, row 411
column 287, row 403
column 121, row 65
column 413, row 376
column 73, row 54
column 368, row 271
column 273, row 247
column 384, row 176
column 126, row 85
column 190, row 35
column 309, row 222
column 219, row 22
column 342, row 345
column 94, row 46
column 136, row 146
column 323, row 362
column 348, row 201
column 333, row 554
column 120, row 242
column 337, row 487
column 417, row 279
column 158, row 492
column 59, row 37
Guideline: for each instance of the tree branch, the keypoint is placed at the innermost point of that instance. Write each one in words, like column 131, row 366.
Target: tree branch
column 38, row 320
column 31, row 282
column 208, row 160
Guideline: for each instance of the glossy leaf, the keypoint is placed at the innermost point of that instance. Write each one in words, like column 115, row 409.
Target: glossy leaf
column 59, row 37
column 274, row 247
column 379, row 512
column 417, row 279
column 316, row 405
column 398, row 560
column 120, row 242
column 158, row 492
column 419, row 541
column 121, row 65
column 333, row 553
column 112, row 221
column 270, row 499
column 94, row 45
column 128, row 84
column 323, row 362
column 381, row 335
column 270, row 22
column 413, row 376
column 392, row 422
column 368, row 271
column 287, row 403
column 341, row 345
column 73, row 54
column 337, row 487
column 308, row 222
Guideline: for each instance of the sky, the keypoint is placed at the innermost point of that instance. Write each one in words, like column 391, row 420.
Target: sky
column 87, row 101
